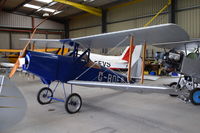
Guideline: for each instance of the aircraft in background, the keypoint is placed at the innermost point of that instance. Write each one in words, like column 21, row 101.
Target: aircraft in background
column 78, row 69
column 112, row 62
column 13, row 54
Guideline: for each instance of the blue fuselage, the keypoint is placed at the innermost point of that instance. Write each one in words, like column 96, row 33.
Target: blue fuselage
column 52, row 67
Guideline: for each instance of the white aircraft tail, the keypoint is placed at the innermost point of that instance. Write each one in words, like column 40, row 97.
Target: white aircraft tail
column 136, row 64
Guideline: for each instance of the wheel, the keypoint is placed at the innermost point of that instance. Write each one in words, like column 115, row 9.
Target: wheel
column 73, row 103
column 195, row 96
column 43, row 95
column 174, row 86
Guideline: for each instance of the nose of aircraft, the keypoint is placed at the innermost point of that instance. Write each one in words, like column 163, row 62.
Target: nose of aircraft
column 21, row 61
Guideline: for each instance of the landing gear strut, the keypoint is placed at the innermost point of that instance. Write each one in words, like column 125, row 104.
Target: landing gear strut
column 73, row 102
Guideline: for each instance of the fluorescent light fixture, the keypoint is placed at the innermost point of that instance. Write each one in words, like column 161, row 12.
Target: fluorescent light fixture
column 44, row 1
column 48, row 10
column 42, row 9
column 57, row 12
column 88, row 0
column 32, row 6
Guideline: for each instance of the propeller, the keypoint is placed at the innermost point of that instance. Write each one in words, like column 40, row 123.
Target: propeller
column 23, row 53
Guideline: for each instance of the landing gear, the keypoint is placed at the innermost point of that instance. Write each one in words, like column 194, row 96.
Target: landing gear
column 73, row 103
column 195, row 96
column 44, row 96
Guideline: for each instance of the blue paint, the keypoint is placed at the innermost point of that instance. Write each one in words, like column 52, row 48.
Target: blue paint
column 53, row 98
column 51, row 67
column 196, row 97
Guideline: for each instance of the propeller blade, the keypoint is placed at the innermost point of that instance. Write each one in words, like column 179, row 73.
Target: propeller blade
column 14, row 69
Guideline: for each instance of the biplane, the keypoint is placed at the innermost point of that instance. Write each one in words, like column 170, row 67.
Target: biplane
column 78, row 69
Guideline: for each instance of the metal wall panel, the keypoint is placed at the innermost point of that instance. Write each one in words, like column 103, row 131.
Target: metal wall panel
column 187, row 3
column 85, row 32
column 4, row 40
column 13, row 20
column 54, row 36
column 16, row 43
column 19, row 21
column 49, row 24
column 190, row 21
column 137, row 23
column 143, row 8
column 188, row 17
column 40, row 36
column 84, row 21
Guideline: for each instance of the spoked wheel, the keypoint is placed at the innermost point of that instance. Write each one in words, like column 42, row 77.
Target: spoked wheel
column 44, row 95
column 195, row 96
column 174, row 86
column 73, row 103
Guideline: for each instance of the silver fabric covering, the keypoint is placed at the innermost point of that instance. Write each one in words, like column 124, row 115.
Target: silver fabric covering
column 182, row 45
column 152, row 34
column 124, row 86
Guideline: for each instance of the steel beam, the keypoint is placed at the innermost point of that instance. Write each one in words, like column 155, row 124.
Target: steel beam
column 104, row 21
column 66, row 30
column 89, row 9
column 125, row 4
column 20, row 5
column 172, row 10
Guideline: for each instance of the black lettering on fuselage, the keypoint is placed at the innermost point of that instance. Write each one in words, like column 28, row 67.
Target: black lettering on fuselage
column 103, row 63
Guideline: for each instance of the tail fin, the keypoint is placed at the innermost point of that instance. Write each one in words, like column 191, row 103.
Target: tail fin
column 125, row 55
column 136, row 70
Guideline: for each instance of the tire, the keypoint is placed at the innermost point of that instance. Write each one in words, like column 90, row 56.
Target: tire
column 174, row 85
column 73, row 103
column 195, row 96
column 43, row 95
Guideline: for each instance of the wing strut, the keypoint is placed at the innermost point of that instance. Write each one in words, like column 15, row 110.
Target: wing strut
column 130, row 58
column 143, row 61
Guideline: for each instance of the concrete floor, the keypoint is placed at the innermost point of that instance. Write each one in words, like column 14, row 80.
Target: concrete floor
column 106, row 111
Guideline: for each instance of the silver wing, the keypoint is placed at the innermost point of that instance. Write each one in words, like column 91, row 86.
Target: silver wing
column 182, row 45
column 152, row 34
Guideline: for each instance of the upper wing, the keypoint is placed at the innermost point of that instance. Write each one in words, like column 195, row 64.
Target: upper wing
column 152, row 34
column 180, row 45
column 53, row 43
column 123, row 86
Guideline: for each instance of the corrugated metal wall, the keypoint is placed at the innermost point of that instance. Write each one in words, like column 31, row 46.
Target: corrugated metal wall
column 14, row 20
column 4, row 40
column 18, row 22
column 89, row 22
column 16, row 43
column 188, row 16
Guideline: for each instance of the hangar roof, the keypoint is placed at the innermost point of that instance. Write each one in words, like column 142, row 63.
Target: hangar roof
column 61, row 10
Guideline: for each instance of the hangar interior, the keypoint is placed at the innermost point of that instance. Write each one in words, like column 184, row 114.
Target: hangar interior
column 17, row 21
column 104, row 110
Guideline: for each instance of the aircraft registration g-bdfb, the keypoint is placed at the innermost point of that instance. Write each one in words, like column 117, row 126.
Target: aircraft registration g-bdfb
column 78, row 69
